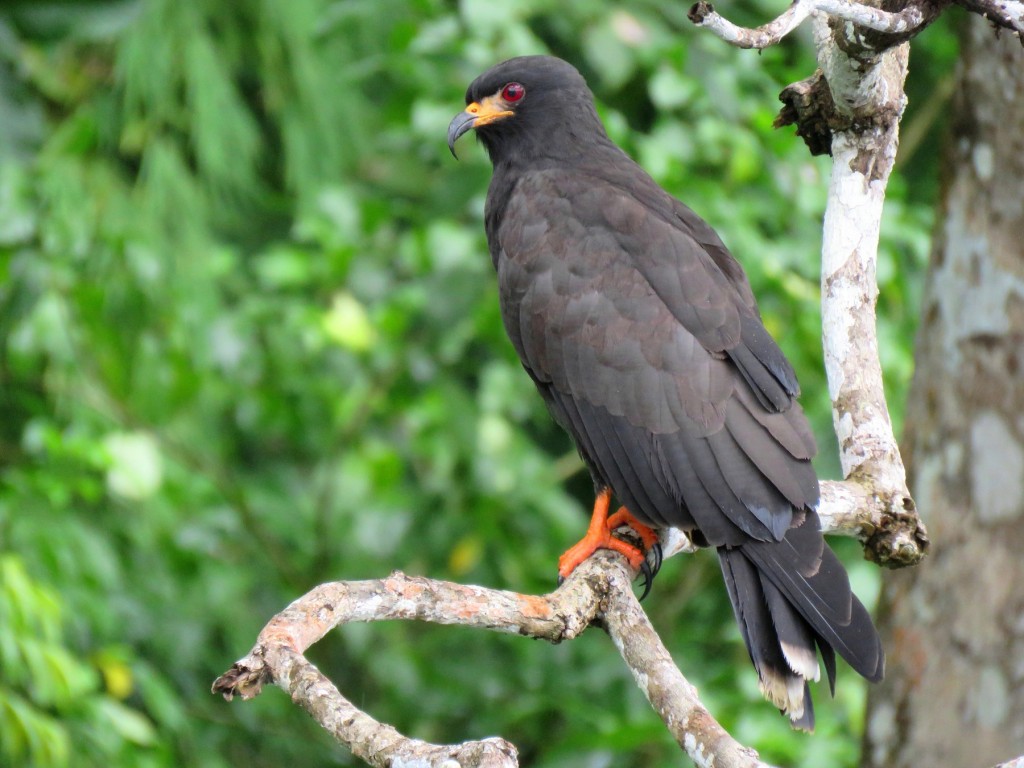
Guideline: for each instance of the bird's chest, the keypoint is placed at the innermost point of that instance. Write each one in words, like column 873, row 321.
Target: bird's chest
column 565, row 276
column 546, row 257
column 542, row 240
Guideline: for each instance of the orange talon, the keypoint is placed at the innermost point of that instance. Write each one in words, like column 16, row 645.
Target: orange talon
column 599, row 536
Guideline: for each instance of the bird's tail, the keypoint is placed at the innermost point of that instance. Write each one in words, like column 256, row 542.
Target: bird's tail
column 790, row 596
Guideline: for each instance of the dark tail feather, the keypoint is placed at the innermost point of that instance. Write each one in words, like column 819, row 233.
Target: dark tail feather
column 792, row 598
column 782, row 669
column 813, row 581
column 806, row 722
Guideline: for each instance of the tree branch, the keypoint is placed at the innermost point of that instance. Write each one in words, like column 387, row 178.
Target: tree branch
column 866, row 88
column 703, row 14
column 904, row 23
column 891, row 533
column 598, row 592
column 848, row 508
column 1005, row 14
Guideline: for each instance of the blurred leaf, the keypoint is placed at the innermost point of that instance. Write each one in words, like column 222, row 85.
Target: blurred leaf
column 136, row 469
column 127, row 723
column 348, row 324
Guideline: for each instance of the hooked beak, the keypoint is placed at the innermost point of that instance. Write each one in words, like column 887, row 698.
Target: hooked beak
column 479, row 113
column 459, row 125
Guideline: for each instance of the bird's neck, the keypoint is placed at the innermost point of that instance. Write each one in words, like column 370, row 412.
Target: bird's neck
column 567, row 148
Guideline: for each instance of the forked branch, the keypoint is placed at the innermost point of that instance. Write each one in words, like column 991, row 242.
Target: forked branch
column 598, row 592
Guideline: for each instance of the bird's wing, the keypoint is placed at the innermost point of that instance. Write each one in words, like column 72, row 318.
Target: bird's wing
column 653, row 359
column 757, row 356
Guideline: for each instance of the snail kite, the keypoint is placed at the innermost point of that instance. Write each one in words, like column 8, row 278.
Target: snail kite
column 642, row 335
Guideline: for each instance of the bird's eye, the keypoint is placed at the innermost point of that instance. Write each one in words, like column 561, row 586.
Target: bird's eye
column 513, row 92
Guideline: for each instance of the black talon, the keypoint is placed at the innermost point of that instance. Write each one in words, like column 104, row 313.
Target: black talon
column 561, row 579
column 645, row 569
column 658, row 556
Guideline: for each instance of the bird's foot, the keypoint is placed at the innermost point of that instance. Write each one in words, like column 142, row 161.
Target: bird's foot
column 599, row 536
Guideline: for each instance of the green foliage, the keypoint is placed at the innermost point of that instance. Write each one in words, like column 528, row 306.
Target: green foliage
column 52, row 702
column 249, row 342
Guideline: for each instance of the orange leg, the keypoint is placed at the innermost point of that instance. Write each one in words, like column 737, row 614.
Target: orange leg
column 599, row 536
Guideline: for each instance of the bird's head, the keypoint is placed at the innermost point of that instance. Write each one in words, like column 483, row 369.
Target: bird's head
column 527, row 107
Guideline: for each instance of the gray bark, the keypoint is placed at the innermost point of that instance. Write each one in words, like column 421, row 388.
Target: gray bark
column 954, row 627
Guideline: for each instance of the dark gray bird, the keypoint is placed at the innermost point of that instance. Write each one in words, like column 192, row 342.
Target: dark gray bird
column 642, row 335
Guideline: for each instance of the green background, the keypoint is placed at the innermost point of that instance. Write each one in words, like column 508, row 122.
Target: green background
column 249, row 342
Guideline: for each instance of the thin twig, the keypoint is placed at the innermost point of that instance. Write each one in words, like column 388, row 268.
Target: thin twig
column 704, row 15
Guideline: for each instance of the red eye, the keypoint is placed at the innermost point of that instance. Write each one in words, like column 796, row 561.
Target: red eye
column 513, row 92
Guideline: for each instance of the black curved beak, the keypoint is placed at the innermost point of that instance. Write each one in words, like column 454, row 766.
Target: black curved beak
column 461, row 123
column 475, row 115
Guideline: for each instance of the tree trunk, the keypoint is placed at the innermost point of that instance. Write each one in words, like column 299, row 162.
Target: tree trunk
column 954, row 627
